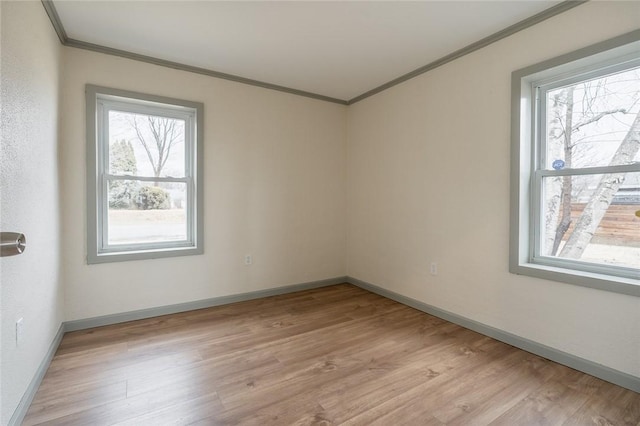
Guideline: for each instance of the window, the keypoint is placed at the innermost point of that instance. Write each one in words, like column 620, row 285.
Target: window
column 576, row 167
column 144, row 176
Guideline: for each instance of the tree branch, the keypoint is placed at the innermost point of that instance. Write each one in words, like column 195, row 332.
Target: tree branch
column 597, row 118
column 143, row 142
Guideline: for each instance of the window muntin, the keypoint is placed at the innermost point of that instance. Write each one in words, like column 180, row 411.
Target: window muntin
column 553, row 182
column 144, row 157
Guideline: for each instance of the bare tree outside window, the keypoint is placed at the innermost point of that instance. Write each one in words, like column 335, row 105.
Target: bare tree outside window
column 157, row 135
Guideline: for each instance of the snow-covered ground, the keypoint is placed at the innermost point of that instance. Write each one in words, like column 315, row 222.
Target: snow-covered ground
column 612, row 255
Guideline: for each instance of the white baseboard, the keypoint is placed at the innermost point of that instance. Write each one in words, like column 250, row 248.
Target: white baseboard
column 198, row 304
column 23, row 406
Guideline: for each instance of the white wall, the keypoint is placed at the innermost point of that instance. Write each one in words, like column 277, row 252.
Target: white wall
column 274, row 188
column 428, row 180
column 30, row 283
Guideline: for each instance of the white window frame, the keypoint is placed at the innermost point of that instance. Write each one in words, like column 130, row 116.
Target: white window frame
column 527, row 159
column 101, row 100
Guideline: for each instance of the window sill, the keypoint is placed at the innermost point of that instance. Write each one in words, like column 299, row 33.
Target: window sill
column 123, row 256
column 614, row 284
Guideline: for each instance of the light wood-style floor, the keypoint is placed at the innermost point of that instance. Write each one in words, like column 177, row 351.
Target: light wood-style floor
column 336, row 355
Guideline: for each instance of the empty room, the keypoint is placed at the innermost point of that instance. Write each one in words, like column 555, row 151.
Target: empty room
column 320, row 212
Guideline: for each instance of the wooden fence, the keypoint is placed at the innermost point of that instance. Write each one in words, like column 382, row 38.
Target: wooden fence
column 619, row 226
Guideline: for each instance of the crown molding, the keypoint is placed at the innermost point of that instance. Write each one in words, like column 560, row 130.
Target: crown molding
column 70, row 42
column 519, row 26
column 79, row 44
column 524, row 24
column 55, row 20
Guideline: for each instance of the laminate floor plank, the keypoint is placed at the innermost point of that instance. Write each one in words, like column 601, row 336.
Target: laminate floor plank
column 600, row 411
column 440, row 388
column 552, row 404
column 184, row 412
column 336, row 355
column 63, row 401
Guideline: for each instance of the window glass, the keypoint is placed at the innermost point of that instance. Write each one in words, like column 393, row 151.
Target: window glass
column 586, row 122
column 145, row 212
column 585, row 216
column 602, row 207
column 157, row 144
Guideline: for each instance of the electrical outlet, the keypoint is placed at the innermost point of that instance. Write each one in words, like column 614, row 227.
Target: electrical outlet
column 434, row 268
column 19, row 331
column 248, row 260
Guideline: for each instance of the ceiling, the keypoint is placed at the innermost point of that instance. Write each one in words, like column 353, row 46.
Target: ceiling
column 337, row 49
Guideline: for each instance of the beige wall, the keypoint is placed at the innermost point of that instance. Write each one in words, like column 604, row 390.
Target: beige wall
column 428, row 181
column 274, row 188
column 30, row 285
